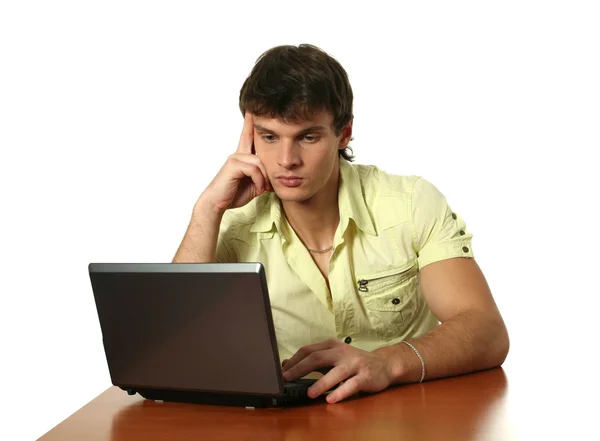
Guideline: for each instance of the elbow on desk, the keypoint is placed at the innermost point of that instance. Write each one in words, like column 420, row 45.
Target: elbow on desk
column 501, row 345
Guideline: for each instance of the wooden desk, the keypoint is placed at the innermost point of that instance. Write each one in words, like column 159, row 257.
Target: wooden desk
column 461, row 408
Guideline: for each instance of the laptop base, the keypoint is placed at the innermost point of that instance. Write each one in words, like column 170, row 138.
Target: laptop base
column 295, row 393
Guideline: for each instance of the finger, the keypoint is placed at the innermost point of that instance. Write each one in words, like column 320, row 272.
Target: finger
column 349, row 388
column 269, row 186
column 247, row 137
column 329, row 381
column 252, row 171
column 305, row 351
column 312, row 362
column 283, row 363
column 324, row 370
column 254, row 160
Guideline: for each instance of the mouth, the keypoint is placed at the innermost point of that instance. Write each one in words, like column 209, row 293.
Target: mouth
column 290, row 181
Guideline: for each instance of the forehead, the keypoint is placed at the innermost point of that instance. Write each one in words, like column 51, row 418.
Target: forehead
column 279, row 125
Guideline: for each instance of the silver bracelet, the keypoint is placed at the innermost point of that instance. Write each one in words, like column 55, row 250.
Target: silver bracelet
column 420, row 358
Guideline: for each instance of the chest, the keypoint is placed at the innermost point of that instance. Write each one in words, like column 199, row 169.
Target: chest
column 322, row 262
column 294, row 274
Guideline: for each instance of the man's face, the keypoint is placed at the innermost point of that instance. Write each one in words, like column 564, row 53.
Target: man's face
column 300, row 159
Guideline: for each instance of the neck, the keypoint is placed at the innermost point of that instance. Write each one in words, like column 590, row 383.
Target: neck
column 316, row 219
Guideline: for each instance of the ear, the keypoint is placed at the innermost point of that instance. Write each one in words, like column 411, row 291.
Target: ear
column 346, row 135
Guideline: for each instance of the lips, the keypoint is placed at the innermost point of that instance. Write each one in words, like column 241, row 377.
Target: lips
column 290, row 181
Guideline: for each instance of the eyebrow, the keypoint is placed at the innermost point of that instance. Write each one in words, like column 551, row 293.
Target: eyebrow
column 301, row 132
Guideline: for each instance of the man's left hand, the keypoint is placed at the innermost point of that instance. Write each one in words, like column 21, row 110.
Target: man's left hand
column 361, row 371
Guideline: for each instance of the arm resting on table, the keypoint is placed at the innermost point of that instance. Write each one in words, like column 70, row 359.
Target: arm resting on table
column 472, row 335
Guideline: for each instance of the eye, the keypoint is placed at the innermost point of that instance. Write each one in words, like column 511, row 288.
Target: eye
column 268, row 138
column 311, row 138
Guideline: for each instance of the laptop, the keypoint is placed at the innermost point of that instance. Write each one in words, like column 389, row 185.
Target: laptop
column 192, row 332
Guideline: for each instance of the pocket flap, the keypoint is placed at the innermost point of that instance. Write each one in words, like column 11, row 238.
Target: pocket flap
column 378, row 281
column 388, row 302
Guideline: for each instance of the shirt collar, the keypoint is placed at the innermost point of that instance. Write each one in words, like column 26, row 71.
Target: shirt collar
column 351, row 204
column 351, row 200
column 270, row 215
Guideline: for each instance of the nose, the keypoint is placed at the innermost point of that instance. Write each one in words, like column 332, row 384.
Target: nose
column 289, row 154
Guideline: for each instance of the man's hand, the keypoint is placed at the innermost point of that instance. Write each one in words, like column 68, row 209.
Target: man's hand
column 361, row 371
column 242, row 178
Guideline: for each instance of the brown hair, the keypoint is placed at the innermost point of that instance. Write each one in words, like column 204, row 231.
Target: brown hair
column 296, row 83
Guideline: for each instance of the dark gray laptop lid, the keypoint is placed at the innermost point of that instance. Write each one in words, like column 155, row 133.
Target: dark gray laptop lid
column 198, row 327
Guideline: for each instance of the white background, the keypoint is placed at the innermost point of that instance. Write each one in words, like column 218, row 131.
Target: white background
column 114, row 116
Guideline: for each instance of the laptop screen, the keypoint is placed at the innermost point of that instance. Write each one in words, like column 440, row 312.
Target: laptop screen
column 200, row 327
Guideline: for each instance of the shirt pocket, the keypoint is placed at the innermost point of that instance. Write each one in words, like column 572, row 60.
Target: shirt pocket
column 391, row 299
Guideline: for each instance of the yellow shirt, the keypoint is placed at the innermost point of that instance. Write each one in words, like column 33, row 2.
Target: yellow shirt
column 390, row 227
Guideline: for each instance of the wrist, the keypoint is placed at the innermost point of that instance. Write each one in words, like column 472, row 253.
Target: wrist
column 393, row 363
column 419, row 356
column 402, row 363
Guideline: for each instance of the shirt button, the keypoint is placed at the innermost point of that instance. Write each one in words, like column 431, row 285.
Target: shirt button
column 462, row 233
column 453, row 215
column 348, row 340
column 396, row 301
column 465, row 249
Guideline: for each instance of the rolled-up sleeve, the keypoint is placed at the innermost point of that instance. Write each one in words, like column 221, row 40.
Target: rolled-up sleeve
column 438, row 232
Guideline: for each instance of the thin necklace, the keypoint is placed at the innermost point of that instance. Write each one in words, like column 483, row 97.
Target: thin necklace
column 320, row 251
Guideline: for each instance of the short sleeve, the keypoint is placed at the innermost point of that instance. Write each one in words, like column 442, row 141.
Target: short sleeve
column 439, row 233
column 224, row 252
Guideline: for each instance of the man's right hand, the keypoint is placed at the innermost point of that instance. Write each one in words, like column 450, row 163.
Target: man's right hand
column 242, row 178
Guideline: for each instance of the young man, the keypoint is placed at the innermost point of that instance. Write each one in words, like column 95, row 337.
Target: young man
column 362, row 266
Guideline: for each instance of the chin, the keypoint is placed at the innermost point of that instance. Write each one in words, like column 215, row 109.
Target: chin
column 292, row 194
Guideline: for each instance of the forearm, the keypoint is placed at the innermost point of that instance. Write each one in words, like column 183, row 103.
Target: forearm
column 468, row 342
column 200, row 241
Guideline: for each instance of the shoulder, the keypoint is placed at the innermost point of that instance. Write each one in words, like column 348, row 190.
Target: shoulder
column 387, row 191
column 412, row 189
column 387, row 196
column 376, row 181
column 395, row 198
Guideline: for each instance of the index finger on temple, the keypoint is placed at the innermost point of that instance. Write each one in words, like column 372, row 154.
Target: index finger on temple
column 247, row 137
